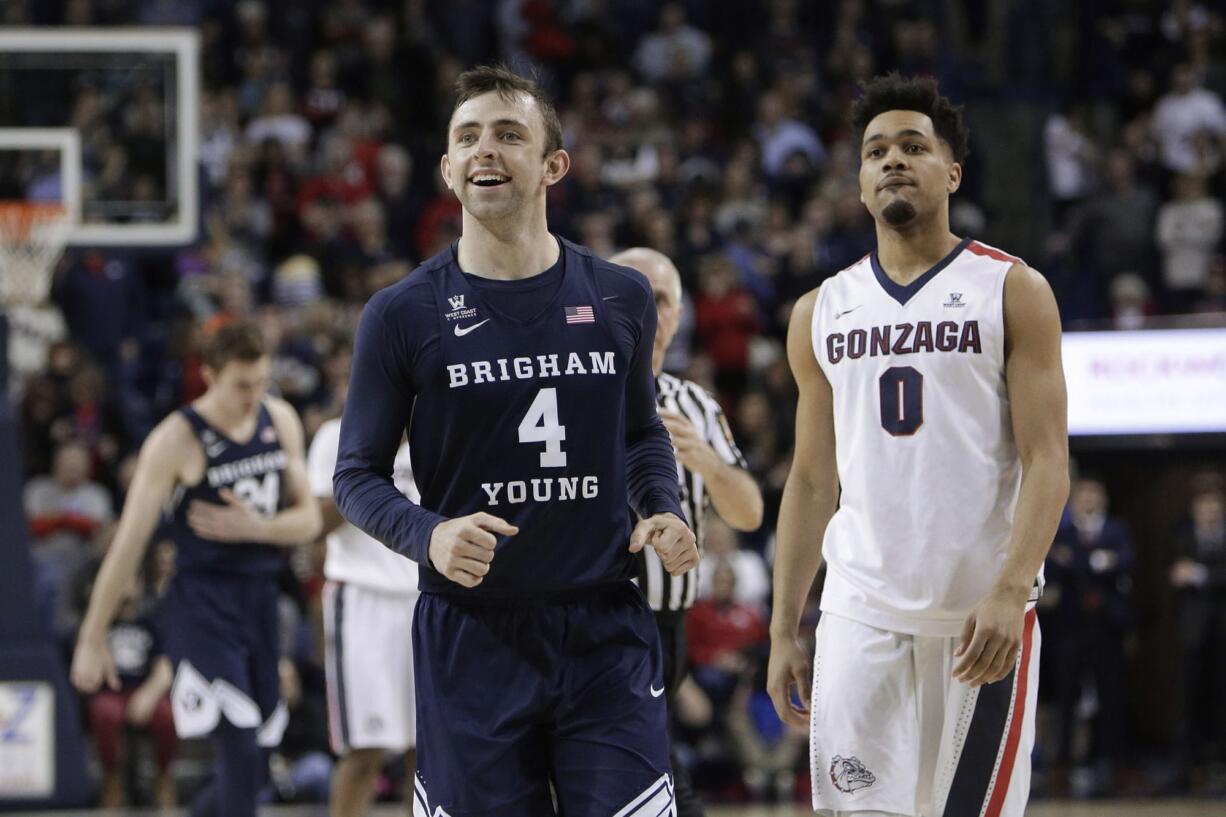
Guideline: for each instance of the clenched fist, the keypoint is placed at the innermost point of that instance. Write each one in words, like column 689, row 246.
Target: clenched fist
column 462, row 548
column 672, row 539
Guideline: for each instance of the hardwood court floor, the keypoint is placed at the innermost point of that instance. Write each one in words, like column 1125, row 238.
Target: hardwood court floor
column 1045, row 808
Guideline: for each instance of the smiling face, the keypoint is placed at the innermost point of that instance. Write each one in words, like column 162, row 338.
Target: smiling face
column 906, row 172
column 496, row 161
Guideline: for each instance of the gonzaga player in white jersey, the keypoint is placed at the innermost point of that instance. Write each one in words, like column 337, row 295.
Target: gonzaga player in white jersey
column 931, row 463
column 368, row 617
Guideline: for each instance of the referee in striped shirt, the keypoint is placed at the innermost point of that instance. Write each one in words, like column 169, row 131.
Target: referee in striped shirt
column 710, row 470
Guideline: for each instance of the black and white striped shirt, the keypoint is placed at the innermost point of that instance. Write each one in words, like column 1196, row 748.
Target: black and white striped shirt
column 675, row 593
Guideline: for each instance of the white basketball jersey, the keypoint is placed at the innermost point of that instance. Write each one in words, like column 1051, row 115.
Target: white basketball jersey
column 354, row 557
column 926, row 459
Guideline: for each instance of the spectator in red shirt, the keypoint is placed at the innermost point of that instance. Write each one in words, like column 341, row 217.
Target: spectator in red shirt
column 722, row 632
column 726, row 319
column 344, row 173
column 64, row 510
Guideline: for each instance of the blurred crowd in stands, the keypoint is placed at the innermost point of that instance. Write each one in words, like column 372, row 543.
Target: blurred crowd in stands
column 715, row 133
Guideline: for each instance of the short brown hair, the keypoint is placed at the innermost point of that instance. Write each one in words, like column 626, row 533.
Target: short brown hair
column 506, row 83
column 893, row 92
column 237, row 340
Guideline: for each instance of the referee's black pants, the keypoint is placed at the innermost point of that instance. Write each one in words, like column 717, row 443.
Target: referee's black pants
column 674, row 647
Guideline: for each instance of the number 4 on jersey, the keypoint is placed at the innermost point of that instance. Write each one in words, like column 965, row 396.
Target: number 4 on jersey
column 540, row 425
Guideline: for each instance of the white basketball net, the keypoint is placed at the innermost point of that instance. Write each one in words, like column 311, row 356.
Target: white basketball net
column 32, row 236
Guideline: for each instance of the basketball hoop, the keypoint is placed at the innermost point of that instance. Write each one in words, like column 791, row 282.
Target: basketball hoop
column 32, row 237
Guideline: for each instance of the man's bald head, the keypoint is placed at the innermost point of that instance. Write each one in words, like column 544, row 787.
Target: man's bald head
column 666, row 286
column 657, row 266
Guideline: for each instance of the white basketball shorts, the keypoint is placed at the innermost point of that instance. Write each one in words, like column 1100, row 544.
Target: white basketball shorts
column 368, row 658
column 892, row 731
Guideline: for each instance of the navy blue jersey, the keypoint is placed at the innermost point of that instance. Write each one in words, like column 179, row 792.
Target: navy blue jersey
column 255, row 472
column 547, row 421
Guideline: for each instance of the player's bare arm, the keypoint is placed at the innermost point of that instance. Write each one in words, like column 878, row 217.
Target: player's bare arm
column 1034, row 376
column 160, row 466
column 237, row 521
column 809, row 501
column 735, row 495
column 672, row 539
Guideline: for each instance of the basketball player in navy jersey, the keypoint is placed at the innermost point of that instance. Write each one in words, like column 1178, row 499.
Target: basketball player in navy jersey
column 932, row 464
column 520, row 365
column 232, row 464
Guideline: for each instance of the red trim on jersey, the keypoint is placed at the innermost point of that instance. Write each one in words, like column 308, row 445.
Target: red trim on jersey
column 992, row 252
column 861, row 261
column 1001, row 789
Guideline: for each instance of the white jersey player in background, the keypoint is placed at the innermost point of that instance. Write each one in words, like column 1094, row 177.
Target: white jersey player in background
column 368, row 616
column 931, row 464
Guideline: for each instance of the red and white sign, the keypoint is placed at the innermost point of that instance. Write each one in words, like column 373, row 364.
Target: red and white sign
column 1160, row 381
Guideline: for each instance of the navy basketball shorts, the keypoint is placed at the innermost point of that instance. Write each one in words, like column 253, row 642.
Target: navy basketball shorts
column 536, row 708
column 221, row 631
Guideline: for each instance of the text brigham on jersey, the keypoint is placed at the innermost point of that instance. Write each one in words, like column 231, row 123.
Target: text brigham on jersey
column 527, row 368
column 255, row 466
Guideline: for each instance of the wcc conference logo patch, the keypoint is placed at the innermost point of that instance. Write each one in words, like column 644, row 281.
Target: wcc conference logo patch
column 459, row 312
column 849, row 775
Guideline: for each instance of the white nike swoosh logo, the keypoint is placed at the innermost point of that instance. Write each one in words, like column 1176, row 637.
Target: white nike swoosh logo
column 656, row 693
column 215, row 450
column 461, row 331
column 608, row 297
column 838, row 315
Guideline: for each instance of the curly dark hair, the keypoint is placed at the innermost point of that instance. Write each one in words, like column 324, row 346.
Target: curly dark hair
column 894, row 92
column 505, row 82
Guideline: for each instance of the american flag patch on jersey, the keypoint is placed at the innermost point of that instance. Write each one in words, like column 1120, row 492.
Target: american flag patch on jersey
column 580, row 314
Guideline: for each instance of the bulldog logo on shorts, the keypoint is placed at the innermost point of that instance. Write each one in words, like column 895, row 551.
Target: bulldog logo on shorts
column 849, row 775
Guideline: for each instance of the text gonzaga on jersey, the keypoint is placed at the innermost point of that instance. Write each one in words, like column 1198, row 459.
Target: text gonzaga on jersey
column 905, row 339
